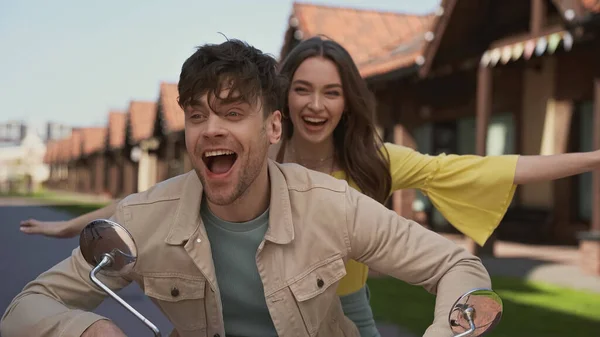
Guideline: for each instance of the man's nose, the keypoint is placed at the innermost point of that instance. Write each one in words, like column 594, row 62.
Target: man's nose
column 214, row 127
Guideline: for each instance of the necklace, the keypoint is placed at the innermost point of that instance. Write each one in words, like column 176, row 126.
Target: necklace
column 297, row 156
column 316, row 164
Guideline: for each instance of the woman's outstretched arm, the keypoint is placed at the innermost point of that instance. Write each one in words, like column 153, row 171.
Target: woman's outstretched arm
column 531, row 169
column 67, row 228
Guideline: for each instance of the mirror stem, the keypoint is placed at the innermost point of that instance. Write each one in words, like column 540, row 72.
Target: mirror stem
column 468, row 313
column 107, row 260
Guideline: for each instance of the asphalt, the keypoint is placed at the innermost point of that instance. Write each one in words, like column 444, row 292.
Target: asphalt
column 24, row 257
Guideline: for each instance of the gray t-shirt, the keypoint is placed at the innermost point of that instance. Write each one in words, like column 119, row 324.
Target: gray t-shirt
column 245, row 311
column 234, row 247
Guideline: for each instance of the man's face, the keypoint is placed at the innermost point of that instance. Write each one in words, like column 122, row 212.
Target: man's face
column 228, row 147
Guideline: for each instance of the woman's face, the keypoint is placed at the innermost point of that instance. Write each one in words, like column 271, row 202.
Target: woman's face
column 316, row 99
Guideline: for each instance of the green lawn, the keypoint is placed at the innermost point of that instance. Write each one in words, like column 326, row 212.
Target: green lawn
column 78, row 209
column 530, row 309
column 64, row 202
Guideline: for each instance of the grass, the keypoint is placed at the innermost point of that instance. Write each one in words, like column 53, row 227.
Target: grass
column 64, row 202
column 530, row 308
column 79, row 209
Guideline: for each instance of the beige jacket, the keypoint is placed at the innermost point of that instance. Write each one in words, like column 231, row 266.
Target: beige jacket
column 316, row 224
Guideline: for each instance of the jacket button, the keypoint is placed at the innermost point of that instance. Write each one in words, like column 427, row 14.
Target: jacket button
column 320, row 283
column 174, row 292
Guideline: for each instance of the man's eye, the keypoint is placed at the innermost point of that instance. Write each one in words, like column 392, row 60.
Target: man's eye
column 197, row 117
column 233, row 113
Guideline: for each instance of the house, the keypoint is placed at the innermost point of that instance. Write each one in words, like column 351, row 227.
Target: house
column 87, row 161
column 531, row 86
column 113, row 151
column 52, row 159
column 169, row 132
column 73, row 152
column 61, row 159
column 92, row 155
column 139, row 165
column 22, row 165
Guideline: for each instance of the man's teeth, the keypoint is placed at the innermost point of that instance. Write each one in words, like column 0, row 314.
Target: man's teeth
column 314, row 120
column 217, row 153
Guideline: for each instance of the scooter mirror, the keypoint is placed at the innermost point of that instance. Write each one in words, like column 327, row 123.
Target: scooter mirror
column 475, row 313
column 104, row 238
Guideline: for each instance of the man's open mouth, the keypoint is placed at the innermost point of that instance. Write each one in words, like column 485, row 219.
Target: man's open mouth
column 314, row 121
column 219, row 161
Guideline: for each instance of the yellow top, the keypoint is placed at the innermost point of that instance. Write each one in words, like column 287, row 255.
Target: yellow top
column 472, row 193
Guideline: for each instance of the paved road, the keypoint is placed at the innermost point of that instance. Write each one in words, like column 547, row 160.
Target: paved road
column 32, row 255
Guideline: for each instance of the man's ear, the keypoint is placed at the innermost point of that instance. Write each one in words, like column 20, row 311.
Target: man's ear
column 274, row 127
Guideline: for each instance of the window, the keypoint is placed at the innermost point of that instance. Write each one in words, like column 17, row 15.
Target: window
column 585, row 117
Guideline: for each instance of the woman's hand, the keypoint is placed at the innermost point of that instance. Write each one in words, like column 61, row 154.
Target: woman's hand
column 56, row 229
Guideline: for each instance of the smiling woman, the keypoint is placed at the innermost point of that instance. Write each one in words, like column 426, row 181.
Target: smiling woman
column 319, row 114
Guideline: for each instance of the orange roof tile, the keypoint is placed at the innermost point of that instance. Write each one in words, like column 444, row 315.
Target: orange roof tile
column 55, row 152
column 93, row 139
column 116, row 129
column 591, row 5
column 75, row 144
column 50, row 151
column 142, row 115
column 59, row 155
column 378, row 41
column 172, row 112
column 65, row 149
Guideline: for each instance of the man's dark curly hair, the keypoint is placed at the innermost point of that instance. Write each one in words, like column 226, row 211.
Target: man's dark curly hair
column 247, row 72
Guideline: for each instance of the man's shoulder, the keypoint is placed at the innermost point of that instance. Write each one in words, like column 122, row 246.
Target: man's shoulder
column 302, row 179
column 164, row 191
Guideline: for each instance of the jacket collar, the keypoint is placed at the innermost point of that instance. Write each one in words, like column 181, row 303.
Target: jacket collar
column 187, row 216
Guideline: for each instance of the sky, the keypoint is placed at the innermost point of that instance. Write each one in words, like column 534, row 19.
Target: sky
column 71, row 61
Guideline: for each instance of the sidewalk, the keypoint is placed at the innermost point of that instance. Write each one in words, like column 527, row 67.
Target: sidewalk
column 558, row 265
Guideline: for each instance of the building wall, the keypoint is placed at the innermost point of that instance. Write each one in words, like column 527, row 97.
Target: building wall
column 538, row 88
column 99, row 172
column 114, row 181
column 147, row 172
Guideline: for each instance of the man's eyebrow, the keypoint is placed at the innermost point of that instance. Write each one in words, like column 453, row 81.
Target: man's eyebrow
column 198, row 103
column 195, row 104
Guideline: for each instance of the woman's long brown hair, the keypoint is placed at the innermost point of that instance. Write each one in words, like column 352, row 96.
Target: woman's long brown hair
column 358, row 147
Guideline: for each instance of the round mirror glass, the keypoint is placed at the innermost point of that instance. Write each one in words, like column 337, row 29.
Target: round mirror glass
column 487, row 312
column 101, row 237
